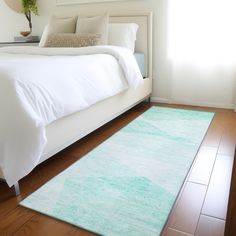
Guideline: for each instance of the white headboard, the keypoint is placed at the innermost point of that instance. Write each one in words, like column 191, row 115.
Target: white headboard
column 144, row 35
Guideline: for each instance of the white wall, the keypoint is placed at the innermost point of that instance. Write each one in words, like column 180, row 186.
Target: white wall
column 12, row 23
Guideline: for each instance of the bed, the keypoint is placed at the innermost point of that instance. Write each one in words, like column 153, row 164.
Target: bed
column 64, row 131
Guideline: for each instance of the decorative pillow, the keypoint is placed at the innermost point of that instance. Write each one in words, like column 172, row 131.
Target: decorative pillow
column 72, row 40
column 94, row 25
column 58, row 25
column 122, row 34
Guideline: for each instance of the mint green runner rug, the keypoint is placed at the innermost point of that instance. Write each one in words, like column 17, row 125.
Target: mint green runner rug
column 128, row 184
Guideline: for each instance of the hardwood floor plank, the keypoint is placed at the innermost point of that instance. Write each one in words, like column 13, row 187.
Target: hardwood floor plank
column 230, row 228
column 215, row 131
column 202, row 169
column 209, row 226
column 187, row 212
column 8, row 201
column 41, row 225
column 79, row 232
column 216, row 201
column 228, row 139
column 227, row 144
column 14, row 220
column 172, row 232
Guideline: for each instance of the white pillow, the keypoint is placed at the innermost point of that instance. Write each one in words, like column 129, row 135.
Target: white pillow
column 94, row 25
column 58, row 25
column 123, row 35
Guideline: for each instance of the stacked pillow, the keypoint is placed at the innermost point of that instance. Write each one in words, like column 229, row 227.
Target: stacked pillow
column 94, row 25
column 88, row 31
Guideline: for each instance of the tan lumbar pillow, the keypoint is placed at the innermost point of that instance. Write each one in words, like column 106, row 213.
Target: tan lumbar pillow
column 72, row 40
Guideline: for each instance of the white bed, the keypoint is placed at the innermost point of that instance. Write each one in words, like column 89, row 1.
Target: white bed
column 67, row 130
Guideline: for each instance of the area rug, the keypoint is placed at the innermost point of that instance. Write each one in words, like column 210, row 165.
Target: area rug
column 128, row 184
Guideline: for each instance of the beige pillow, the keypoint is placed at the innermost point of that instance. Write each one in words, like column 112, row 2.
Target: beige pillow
column 94, row 25
column 72, row 40
column 58, row 25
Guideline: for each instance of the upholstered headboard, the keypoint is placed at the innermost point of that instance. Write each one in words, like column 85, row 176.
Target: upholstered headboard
column 144, row 36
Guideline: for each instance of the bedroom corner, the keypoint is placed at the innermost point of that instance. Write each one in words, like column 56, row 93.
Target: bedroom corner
column 117, row 117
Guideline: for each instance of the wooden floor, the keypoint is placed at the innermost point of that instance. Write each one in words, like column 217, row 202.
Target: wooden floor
column 199, row 210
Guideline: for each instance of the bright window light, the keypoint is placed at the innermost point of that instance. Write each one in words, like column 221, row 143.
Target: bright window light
column 202, row 32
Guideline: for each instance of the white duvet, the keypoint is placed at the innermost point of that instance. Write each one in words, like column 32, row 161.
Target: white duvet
column 40, row 85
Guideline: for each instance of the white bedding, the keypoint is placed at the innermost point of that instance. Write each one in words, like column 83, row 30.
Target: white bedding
column 40, row 85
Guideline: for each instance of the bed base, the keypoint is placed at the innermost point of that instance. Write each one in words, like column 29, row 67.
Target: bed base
column 17, row 188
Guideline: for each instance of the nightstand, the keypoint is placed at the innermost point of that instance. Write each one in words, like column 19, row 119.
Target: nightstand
column 9, row 44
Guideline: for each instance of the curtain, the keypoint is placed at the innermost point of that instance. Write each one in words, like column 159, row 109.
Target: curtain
column 202, row 51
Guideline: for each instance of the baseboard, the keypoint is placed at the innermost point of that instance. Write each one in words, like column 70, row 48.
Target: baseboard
column 160, row 100
column 191, row 103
